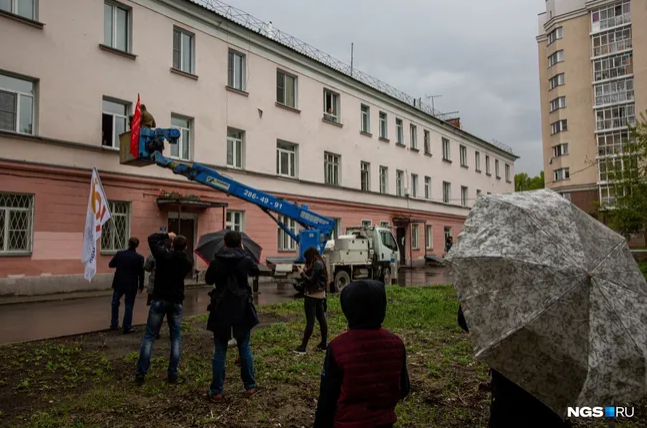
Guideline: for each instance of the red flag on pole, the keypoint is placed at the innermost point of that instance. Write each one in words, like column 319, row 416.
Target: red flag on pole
column 134, row 131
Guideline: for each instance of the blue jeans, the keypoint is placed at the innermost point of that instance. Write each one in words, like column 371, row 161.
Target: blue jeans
column 173, row 312
column 128, row 312
column 246, row 363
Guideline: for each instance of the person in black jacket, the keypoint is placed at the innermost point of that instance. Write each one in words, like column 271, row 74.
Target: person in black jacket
column 365, row 371
column 172, row 266
column 315, row 280
column 231, row 310
column 129, row 277
column 512, row 406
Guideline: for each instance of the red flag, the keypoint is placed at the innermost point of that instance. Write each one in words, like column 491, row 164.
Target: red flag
column 134, row 131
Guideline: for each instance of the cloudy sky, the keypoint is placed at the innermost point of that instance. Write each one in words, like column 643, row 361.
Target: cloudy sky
column 480, row 55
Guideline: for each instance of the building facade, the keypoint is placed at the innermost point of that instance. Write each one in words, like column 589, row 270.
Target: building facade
column 246, row 104
column 593, row 76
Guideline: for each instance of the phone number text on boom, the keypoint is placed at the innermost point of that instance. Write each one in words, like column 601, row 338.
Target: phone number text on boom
column 263, row 199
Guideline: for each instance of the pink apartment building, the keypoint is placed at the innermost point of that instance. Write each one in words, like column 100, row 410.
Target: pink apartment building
column 247, row 102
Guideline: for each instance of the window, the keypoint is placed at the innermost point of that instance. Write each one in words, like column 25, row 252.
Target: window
column 116, row 232
column 286, row 159
column 463, row 152
column 24, row 8
column 414, row 237
column 235, row 148
column 427, row 187
column 562, row 174
column 613, row 169
column 560, row 150
column 497, row 172
column 384, row 224
column 556, row 34
column 366, row 176
column 286, row 89
column 612, row 16
column 507, row 173
column 286, row 243
column 236, row 70
column 555, row 58
column 387, row 240
column 336, row 231
column 559, row 126
column 613, row 67
column 399, row 131
column 182, row 51
column 619, row 91
column 399, row 183
column 114, row 122
column 414, row 185
column 384, row 180
column 116, row 26
column 447, row 155
column 477, row 161
column 384, row 129
column 181, row 149
column 487, row 165
column 464, row 196
column 332, row 165
column 615, row 117
column 448, row 232
column 16, row 223
column 429, row 237
column 612, row 42
column 558, row 103
column 413, row 130
column 331, row 106
column 236, row 221
column 556, row 81
column 447, row 192
column 367, row 223
column 366, row 118
column 16, row 104
column 478, row 192
column 613, row 143
column 427, row 142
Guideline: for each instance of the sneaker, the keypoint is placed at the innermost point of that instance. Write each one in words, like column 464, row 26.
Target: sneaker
column 217, row 398
column 251, row 392
column 237, row 361
column 174, row 380
column 322, row 347
column 301, row 350
column 140, row 379
column 131, row 330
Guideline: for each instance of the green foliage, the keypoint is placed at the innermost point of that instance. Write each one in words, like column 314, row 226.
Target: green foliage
column 523, row 182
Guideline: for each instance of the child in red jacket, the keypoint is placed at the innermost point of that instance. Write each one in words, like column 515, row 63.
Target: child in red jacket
column 365, row 372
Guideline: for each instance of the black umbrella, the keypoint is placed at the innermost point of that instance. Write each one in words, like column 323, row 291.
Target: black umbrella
column 211, row 243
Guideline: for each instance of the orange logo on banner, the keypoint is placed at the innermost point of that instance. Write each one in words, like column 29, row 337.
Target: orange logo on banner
column 97, row 204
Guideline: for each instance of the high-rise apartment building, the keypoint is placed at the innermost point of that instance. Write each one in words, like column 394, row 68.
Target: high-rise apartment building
column 593, row 81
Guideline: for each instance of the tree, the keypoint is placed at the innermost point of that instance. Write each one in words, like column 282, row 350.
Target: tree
column 523, row 182
column 628, row 178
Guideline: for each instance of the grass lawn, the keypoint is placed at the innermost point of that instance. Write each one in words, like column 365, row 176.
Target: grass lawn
column 87, row 381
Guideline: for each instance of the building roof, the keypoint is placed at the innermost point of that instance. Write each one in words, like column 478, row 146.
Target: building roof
column 265, row 29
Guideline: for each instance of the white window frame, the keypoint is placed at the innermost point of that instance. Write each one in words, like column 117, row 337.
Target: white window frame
column 237, row 148
column 488, row 170
column 181, row 66
column 559, row 126
column 235, row 220
column 415, row 236
column 292, row 159
column 365, row 176
column 285, row 242
column 332, row 169
column 561, row 174
column 335, row 99
column 337, row 228
column 427, row 187
column 414, row 185
column 283, row 76
column 611, row 42
column 616, row 117
column 557, row 103
column 19, row 95
column 555, row 58
column 613, row 143
column 557, row 80
column 464, row 195
column 365, row 118
column 448, row 231
column 385, row 224
column 384, row 180
column 427, row 141
column 463, row 153
column 181, row 143
column 413, row 130
column 477, row 161
column 366, row 222
column 447, row 192
column 115, row 245
column 384, row 125
column 614, row 92
column 507, row 172
column 560, row 150
column 115, row 137
column 7, row 211
column 13, row 9
column 236, row 79
column 447, row 149
column 610, row 19
column 613, row 67
column 429, row 237
column 497, row 170
column 115, row 36
column 555, row 35
column 399, row 128
column 399, row 182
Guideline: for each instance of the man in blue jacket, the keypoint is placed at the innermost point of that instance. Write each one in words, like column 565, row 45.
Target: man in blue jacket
column 129, row 277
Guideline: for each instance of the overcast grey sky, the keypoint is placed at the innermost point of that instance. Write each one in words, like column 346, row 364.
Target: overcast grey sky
column 480, row 55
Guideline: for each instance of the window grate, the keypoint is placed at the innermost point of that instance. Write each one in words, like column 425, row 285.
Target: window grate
column 16, row 223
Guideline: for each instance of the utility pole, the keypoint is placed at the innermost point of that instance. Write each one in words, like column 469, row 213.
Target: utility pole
column 352, row 47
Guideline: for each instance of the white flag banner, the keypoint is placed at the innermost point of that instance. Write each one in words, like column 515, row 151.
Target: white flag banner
column 98, row 214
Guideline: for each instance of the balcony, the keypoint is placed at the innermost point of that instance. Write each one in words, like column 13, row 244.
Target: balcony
column 611, row 22
column 612, row 48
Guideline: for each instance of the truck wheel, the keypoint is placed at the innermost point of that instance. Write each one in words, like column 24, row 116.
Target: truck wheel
column 342, row 279
column 386, row 276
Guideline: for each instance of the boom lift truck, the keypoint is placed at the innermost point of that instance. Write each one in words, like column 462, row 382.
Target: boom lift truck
column 368, row 252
